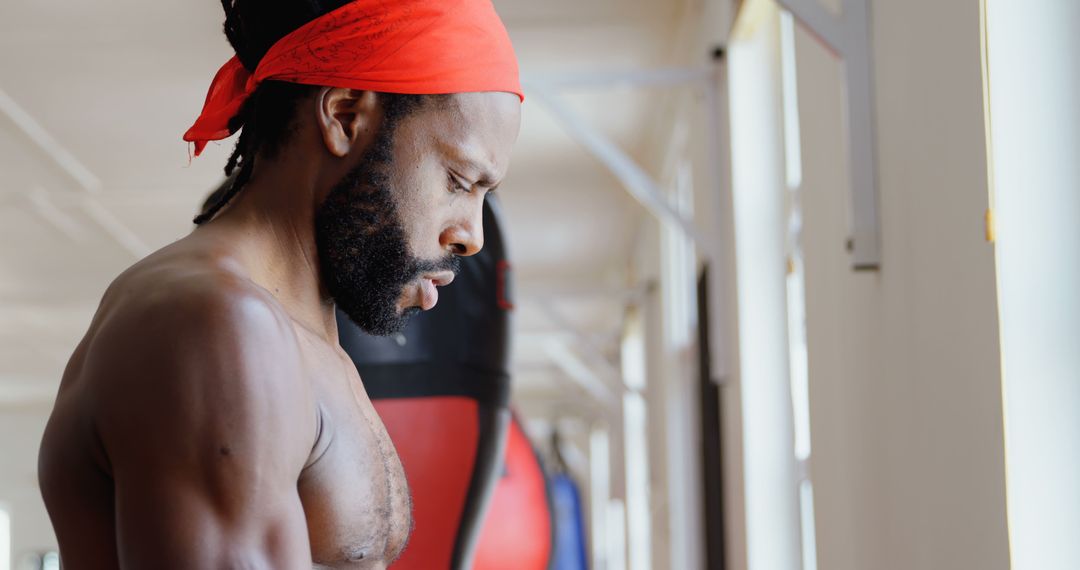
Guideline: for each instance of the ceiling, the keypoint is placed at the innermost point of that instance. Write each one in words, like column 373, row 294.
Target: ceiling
column 93, row 175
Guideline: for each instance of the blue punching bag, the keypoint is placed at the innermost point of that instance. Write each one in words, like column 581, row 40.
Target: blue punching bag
column 569, row 524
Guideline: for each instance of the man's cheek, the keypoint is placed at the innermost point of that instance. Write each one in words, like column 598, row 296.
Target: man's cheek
column 423, row 239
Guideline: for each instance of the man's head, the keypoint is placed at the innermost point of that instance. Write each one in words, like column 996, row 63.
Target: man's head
column 402, row 178
column 392, row 228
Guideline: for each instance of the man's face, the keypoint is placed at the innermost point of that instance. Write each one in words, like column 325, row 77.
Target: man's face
column 391, row 230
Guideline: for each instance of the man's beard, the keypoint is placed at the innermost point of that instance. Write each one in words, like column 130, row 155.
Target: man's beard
column 364, row 257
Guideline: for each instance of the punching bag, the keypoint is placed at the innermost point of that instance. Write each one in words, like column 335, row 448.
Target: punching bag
column 569, row 551
column 519, row 528
column 441, row 388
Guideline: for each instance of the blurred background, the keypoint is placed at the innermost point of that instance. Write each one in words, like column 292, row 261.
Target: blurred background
column 783, row 270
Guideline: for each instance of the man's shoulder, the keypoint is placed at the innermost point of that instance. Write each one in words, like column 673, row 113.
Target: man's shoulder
column 195, row 353
column 191, row 294
column 166, row 316
column 189, row 346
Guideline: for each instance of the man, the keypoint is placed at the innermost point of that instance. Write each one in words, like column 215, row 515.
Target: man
column 209, row 418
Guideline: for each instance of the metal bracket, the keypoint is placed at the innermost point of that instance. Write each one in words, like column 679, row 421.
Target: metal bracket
column 635, row 180
column 641, row 186
column 848, row 36
column 581, row 373
column 593, row 372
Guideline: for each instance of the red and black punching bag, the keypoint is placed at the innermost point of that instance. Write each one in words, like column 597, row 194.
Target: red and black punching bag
column 441, row 388
column 518, row 530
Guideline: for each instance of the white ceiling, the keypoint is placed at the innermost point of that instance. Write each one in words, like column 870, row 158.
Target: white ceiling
column 114, row 83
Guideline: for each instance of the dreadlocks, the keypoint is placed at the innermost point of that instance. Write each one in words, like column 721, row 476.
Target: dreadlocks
column 267, row 117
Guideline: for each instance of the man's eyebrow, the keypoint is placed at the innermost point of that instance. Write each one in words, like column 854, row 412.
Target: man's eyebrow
column 486, row 178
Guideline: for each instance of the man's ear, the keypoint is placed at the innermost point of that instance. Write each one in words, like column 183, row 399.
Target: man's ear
column 346, row 118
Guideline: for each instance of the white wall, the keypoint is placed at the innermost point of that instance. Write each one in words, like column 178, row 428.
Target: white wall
column 905, row 381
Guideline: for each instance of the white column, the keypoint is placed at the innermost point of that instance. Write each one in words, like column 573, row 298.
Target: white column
column 1034, row 94
column 599, row 495
column 772, row 502
column 5, row 538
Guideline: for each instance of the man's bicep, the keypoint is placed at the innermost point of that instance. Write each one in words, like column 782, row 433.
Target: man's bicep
column 176, row 521
column 205, row 429
column 205, row 486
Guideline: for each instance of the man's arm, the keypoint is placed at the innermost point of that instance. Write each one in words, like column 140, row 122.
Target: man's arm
column 206, row 424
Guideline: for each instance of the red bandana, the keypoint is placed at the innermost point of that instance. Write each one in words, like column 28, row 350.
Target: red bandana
column 419, row 47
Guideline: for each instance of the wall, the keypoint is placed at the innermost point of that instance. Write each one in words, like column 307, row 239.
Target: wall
column 905, row 380
column 20, row 434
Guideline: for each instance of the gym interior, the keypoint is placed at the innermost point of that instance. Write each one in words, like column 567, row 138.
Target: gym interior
column 772, row 284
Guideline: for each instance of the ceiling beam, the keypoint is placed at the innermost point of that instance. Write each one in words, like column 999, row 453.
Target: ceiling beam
column 635, row 180
column 606, row 78
column 553, row 292
column 114, row 228
column 47, row 210
column 597, row 355
column 575, row 369
column 78, row 172
column 45, row 142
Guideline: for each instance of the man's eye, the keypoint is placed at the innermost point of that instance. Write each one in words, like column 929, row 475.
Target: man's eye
column 456, row 186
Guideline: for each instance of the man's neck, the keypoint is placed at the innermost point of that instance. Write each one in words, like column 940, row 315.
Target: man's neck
column 272, row 223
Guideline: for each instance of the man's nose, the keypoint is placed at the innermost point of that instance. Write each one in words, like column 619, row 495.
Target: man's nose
column 466, row 236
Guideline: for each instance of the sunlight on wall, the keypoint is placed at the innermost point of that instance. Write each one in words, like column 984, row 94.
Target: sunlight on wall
column 5, row 539
column 680, row 265
column 637, row 482
column 792, row 142
column 599, row 493
column 616, row 539
column 635, row 432
column 796, row 290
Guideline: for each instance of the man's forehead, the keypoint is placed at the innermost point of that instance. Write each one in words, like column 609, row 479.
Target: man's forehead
column 478, row 163
column 479, row 131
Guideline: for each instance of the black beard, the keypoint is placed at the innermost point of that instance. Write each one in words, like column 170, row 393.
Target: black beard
column 364, row 257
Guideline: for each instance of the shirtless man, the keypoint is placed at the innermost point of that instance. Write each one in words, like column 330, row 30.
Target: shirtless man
column 209, row 418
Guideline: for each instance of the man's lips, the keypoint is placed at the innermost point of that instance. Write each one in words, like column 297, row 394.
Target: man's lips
column 441, row 279
column 429, row 295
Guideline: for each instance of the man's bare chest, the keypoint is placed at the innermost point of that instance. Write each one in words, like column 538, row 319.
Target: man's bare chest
column 354, row 492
